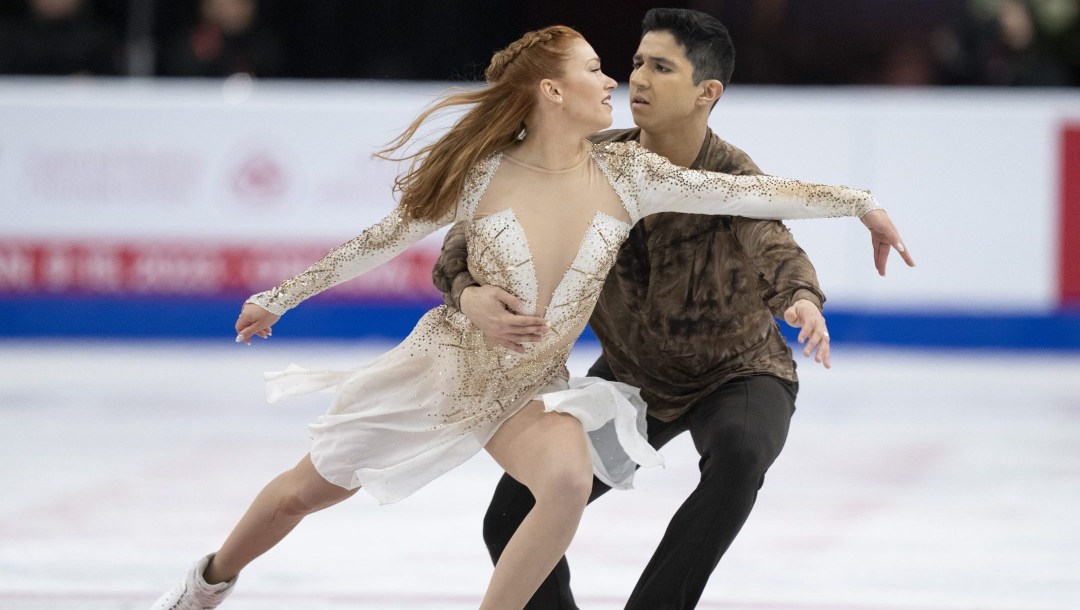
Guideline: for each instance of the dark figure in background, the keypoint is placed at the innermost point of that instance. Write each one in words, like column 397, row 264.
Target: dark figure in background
column 228, row 39
column 58, row 38
column 1018, row 57
column 1003, row 48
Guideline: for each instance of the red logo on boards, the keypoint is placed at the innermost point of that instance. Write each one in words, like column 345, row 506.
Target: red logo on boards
column 260, row 178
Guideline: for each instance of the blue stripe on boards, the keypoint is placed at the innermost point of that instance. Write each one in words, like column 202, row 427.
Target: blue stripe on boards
column 179, row 318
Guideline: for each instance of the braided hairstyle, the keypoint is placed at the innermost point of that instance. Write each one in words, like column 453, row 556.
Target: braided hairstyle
column 496, row 115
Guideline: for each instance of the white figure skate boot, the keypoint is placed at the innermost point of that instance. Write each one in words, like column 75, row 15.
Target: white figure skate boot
column 194, row 593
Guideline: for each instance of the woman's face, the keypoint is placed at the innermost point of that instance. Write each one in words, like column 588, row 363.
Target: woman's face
column 585, row 90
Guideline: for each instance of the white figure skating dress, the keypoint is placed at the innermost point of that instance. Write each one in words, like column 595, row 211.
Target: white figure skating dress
column 550, row 238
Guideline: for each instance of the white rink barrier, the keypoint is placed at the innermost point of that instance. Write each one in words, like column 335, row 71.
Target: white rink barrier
column 125, row 190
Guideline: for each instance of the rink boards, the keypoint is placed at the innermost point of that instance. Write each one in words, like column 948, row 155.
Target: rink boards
column 153, row 209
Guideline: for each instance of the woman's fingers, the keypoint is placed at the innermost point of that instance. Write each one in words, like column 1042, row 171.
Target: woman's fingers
column 254, row 321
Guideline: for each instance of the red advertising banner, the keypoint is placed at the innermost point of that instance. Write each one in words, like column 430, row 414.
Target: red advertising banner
column 1069, row 223
column 192, row 269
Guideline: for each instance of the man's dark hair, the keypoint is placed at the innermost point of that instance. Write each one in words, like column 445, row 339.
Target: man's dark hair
column 704, row 39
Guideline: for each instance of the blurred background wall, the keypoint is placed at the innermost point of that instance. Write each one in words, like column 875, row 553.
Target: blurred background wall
column 160, row 161
column 780, row 42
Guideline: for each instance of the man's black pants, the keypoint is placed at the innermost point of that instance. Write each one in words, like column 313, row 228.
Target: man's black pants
column 739, row 430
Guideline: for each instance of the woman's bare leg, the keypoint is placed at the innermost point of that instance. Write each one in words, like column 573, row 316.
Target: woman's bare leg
column 547, row 453
column 278, row 508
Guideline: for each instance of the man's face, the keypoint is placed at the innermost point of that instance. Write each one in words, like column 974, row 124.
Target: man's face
column 662, row 89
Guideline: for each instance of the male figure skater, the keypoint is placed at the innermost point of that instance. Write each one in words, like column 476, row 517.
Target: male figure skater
column 687, row 315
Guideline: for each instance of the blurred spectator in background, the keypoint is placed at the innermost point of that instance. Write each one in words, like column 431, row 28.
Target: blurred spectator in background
column 57, row 37
column 227, row 39
column 761, row 58
column 780, row 42
column 1004, row 42
column 839, row 42
column 1060, row 24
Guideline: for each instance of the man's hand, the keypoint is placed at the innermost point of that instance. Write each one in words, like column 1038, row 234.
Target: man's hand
column 254, row 320
column 494, row 311
column 805, row 315
column 883, row 236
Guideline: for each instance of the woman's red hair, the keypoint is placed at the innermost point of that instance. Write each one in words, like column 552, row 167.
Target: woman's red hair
column 436, row 176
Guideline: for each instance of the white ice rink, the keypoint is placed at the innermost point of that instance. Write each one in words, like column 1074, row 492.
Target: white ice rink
column 911, row 480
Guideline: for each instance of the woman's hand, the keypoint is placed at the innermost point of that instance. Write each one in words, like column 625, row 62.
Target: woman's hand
column 254, row 320
column 883, row 238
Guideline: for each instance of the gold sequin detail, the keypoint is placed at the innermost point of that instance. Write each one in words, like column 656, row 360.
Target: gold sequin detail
column 376, row 245
column 649, row 183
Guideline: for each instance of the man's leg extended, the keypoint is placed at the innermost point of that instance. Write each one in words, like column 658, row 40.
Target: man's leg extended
column 512, row 502
column 739, row 431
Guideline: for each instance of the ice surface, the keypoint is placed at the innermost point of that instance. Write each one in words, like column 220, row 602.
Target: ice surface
column 910, row 481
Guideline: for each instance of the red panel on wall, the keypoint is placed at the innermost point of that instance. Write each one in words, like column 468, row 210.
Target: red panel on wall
column 192, row 269
column 1069, row 241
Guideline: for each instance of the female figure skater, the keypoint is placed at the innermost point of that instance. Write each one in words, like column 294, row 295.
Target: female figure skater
column 547, row 213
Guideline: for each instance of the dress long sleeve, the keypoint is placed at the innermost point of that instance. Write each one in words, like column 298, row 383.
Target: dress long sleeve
column 657, row 185
column 373, row 247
